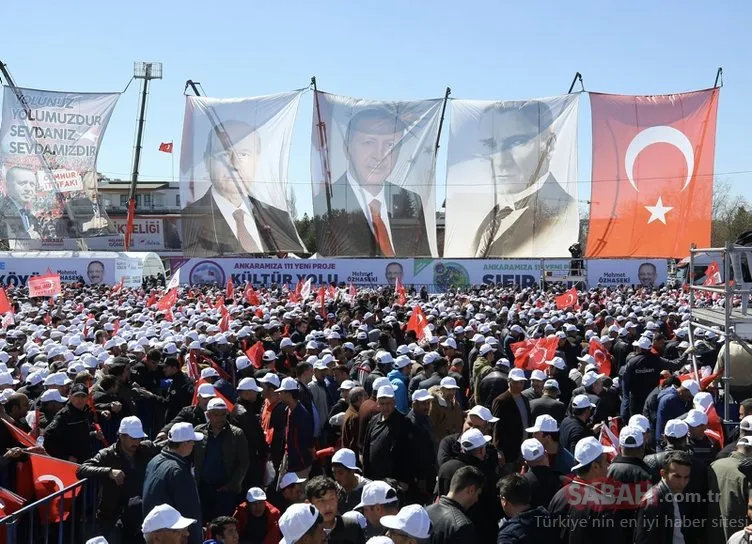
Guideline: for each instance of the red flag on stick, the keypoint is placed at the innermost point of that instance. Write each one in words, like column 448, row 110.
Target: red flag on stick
column 419, row 324
column 567, row 300
column 712, row 274
column 166, row 147
column 230, row 405
column 251, row 297
column 256, row 354
column 20, row 436
column 5, row 305
column 531, row 354
column 321, row 299
column 230, row 289
column 49, row 475
column 400, row 290
column 601, row 355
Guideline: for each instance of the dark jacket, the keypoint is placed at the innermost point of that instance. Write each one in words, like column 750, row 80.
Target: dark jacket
column 641, row 376
column 299, row 441
column 424, row 449
column 179, row 395
column 449, row 523
column 544, row 484
column 583, row 514
column 70, row 434
column 346, row 531
column 547, row 405
column 189, row 414
column 388, row 449
column 234, row 455
column 631, row 470
column 509, row 431
column 529, row 527
column 571, row 431
column 248, row 422
column 169, row 480
column 116, row 500
column 655, row 517
column 491, row 386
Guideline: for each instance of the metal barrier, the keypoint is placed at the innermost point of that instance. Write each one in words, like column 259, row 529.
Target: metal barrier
column 26, row 525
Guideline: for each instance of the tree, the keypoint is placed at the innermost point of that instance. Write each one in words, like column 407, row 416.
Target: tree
column 730, row 217
column 307, row 230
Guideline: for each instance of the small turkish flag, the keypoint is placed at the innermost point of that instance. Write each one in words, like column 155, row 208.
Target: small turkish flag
column 256, row 354
column 419, row 324
column 165, row 147
column 601, row 355
column 5, row 305
column 400, row 290
column 321, row 299
column 49, row 475
column 712, row 274
column 230, row 289
column 251, row 297
column 567, row 300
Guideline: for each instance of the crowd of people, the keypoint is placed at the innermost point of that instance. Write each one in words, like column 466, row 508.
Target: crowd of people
column 261, row 419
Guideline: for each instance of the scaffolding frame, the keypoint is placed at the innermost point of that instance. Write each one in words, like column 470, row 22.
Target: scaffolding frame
column 736, row 324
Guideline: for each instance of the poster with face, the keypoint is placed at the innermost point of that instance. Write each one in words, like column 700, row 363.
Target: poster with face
column 373, row 172
column 512, row 178
column 233, row 172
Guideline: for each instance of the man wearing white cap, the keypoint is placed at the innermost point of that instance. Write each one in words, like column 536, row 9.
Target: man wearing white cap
column 575, row 426
column 628, row 467
column 348, row 475
column 378, row 499
column 258, row 519
column 424, row 445
column 481, row 367
column 244, row 415
column 302, row 524
column 493, row 383
column 672, row 403
column 592, row 519
column 387, row 443
column 729, row 482
column 546, row 431
column 703, row 448
column 549, row 402
column 411, row 525
column 535, row 391
column 169, row 478
column 445, row 411
column 544, row 482
column 195, row 415
column 299, row 440
column 273, row 418
column 220, row 460
column 165, row 525
column 120, row 469
column 513, row 411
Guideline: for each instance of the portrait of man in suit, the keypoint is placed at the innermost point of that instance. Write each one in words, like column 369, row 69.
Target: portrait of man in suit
column 16, row 219
column 364, row 213
column 528, row 202
column 228, row 220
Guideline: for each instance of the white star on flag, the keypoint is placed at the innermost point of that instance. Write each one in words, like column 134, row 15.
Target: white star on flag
column 658, row 212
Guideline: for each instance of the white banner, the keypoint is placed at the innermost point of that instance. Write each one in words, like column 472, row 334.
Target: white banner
column 130, row 271
column 16, row 269
column 638, row 272
column 374, row 182
column 512, row 178
column 49, row 143
column 233, row 172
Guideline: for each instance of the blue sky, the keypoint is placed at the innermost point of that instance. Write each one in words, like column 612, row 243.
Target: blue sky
column 387, row 50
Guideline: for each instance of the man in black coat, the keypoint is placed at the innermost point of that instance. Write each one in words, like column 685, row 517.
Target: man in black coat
column 228, row 218
column 513, row 411
column 363, row 214
column 449, row 521
column 71, row 434
column 575, row 427
column 658, row 513
column 544, row 482
column 549, row 403
column 525, row 522
column 180, row 390
column 493, row 384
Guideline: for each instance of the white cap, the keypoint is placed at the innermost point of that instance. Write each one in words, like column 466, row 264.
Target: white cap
column 97, row 540
column 485, row 349
column 532, row 449
column 517, row 375
column 378, row 539
column 162, row 517
column 242, row 362
column 131, row 426
column 346, row 385
column 381, row 381
column 551, row 384
column 271, row 379
column 354, row 515
column 53, row 395
column 209, row 372
column 587, row 359
column 631, row 437
column 206, row 391
column 384, row 358
column 297, row 521
column 745, row 441
column 421, row 395
column 483, row 413
column 581, row 401
column 590, row 378
column 639, row 421
column 676, row 428
column 449, row 343
column 643, row 343
column 557, row 362
column 255, row 494
column 746, row 423
column 538, row 375
column 545, row 424
column 447, row 382
column 346, row 458
column 183, row 432
column 288, row 384
column 269, row 355
column 248, row 384
column 385, row 392
column 472, row 439
column 692, row 386
column 695, row 418
column 377, row 492
column 289, row 479
column 702, row 401
column 588, row 450
column 402, row 361
column 411, row 520
column 517, row 329
column 216, row 404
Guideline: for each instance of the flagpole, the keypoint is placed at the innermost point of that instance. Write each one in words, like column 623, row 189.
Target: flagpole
column 172, row 159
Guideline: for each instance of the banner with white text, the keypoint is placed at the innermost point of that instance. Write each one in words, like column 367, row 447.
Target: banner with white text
column 49, row 142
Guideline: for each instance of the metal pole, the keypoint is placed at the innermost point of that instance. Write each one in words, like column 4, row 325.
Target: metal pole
column 441, row 121
column 139, row 133
column 719, row 77
column 324, row 149
column 727, row 329
column 577, row 76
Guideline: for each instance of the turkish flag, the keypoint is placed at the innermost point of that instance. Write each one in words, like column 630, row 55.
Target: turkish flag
column 712, row 274
column 353, row 292
column 532, row 354
column 165, row 147
column 45, row 286
column 419, row 324
column 652, row 181
column 321, row 299
column 567, row 299
column 256, row 354
column 230, row 405
column 49, row 475
column 167, row 302
column 251, row 297
column 152, row 300
column 224, row 323
column 601, row 355
column 5, row 305
column 230, row 289
column 23, row 438
column 400, row 290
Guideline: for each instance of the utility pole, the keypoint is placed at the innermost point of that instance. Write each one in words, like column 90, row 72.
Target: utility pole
column 146, row 71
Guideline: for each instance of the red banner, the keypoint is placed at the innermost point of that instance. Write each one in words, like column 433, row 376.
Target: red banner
column 45, row 286
column 5, row 305
column 652, row 181
column 42, row 476
column 256, row 354
column 532, row 354
column 567, row 300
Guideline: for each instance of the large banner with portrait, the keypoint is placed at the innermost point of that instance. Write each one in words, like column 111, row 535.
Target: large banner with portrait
column 373, row 167
column 233, row 175
column 512, row 178
column 49, row 142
